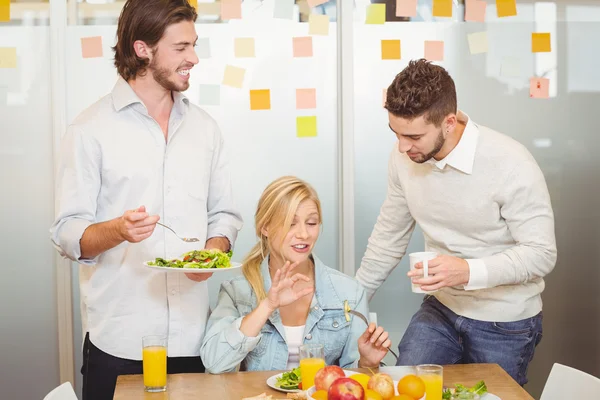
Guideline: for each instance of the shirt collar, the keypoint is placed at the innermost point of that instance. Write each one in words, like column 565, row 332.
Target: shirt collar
column 123, row 95
column 463, row 154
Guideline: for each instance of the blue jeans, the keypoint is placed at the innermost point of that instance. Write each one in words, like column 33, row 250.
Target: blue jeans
column 436, row 335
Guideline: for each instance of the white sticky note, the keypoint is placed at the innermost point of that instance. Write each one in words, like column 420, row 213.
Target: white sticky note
column 203, row 48
column 283, row 9
column 478, row 42
column 210, row 95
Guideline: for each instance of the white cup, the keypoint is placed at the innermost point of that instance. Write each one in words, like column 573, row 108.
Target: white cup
column 424, row 257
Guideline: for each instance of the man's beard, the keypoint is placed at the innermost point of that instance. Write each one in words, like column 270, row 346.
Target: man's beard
column 439, row 143
column 161, row 76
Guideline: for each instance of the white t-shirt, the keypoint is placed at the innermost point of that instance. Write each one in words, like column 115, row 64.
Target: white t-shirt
column 294, row 336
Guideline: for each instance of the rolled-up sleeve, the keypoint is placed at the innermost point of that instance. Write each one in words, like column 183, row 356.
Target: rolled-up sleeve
column 224, row 219
column 78, row 185
column 224, row 345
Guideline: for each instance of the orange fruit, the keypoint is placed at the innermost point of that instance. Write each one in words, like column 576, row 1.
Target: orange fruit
column 372, row 395
column 320, row 395
column 402, row 397
column 363, row 379
column 412, row 386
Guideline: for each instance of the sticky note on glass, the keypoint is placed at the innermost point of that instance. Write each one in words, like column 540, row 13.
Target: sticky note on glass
column 540, row 43
column 231, row 9
column 244, row 47
column 306, row 98
column 260, row 99
column 406, row 8
column 442, row 8
column 434, row 50
column 302, row 46
column 210, row 95
column 91, row 47
column 506, row 8
column 8, row 57
column 4, row 10
column 318, row 24
column 193, row 3
column 478, row 42
column 375, row 14
column 203, row 47
column 234, row 76
column 475, row 10
column 314, row 3
column 390, row 50
column 283, row 9
column 384, row 98
column 306, row 126
column 539, row 88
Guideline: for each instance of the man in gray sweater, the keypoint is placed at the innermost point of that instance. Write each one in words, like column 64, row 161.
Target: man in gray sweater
column 483, row 205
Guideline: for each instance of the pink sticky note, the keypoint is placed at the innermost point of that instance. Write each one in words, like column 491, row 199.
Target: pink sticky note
column 384, row 98
column 406, row 8
column 306, row 98
column 303, row 46
column 539, row 88
column 314, row 3
column 91, row 47
column 231, row 9
column 475, row 10
column 434, row 50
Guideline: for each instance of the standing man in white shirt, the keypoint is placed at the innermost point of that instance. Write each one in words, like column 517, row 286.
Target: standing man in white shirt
column 483, row 205
column 140, row 154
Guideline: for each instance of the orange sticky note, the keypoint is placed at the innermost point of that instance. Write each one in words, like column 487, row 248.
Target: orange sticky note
column 318, row 24
column 302, row 46
column 442, row 8
column 314, row 3
column 231, row 9
column 306, row 98
column 8, row 57
column 193, row 3
column 375, row 14
column 384, row 98
column 539, row 88
column 260, row 99
column 234, row 76
column 4, row 10
column 406, row 8
column 434, row 50
column 506, row 8
column 244, row 47
column 540, row 43
column 390, row 50
column 91, row 47
column 475, row 10
column 306, row 126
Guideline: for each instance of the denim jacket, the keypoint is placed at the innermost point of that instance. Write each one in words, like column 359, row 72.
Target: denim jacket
column 225, row 346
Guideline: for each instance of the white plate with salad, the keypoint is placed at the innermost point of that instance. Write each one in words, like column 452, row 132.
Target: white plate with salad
column 196, row 262
column 286, row 382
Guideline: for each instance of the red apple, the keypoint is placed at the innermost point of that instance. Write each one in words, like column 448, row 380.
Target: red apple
column 382, row 384
column 345, row 389
column 326, row 375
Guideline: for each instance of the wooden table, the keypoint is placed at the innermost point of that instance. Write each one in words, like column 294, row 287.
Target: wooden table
column 237, row 385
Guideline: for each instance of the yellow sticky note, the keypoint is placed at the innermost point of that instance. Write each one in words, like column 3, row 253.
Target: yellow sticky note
column 244, row 47
column 506, row 8
column 375, row 14
column 318, row 24
column 234, row 76
column 193, row 3
column 478, row 42
column 390, row 50
column 540, row 43
column 260, row 99
column 4, row 10
column 8, row 57
column 442, row 8
column 306, row 126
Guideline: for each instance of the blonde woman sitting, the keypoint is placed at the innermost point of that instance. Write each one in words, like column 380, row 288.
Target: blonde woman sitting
column 287, row 297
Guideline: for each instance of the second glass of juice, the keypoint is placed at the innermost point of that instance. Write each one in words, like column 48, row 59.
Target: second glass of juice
column 154, row 363
column 433, row 377
column 312, row 359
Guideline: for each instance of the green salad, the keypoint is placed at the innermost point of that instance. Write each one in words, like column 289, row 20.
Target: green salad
column 212, row 258
column 289, row 380
column 461, row 392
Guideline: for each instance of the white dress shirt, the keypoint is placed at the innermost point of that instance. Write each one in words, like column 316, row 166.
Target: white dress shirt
column 294, row 337
column 115, row 158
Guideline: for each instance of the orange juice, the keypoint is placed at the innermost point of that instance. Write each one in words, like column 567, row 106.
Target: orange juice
column 154, row 362
column 433, row 386
column 308, row 370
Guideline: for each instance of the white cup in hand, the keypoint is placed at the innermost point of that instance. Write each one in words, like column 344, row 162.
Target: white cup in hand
column 424, row 257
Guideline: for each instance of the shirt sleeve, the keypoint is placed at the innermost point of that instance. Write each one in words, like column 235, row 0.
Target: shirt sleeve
column 391, row 234
column 78, row 185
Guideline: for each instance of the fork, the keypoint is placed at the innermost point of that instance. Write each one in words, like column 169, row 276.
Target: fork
column 359, row 315
column 189, row 240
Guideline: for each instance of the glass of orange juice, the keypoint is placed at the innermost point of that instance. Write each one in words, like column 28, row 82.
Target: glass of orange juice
column 312, row 359
column 154, row 363
column 433, row 377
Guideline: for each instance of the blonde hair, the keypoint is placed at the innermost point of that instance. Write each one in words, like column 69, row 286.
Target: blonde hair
column 276, row 210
